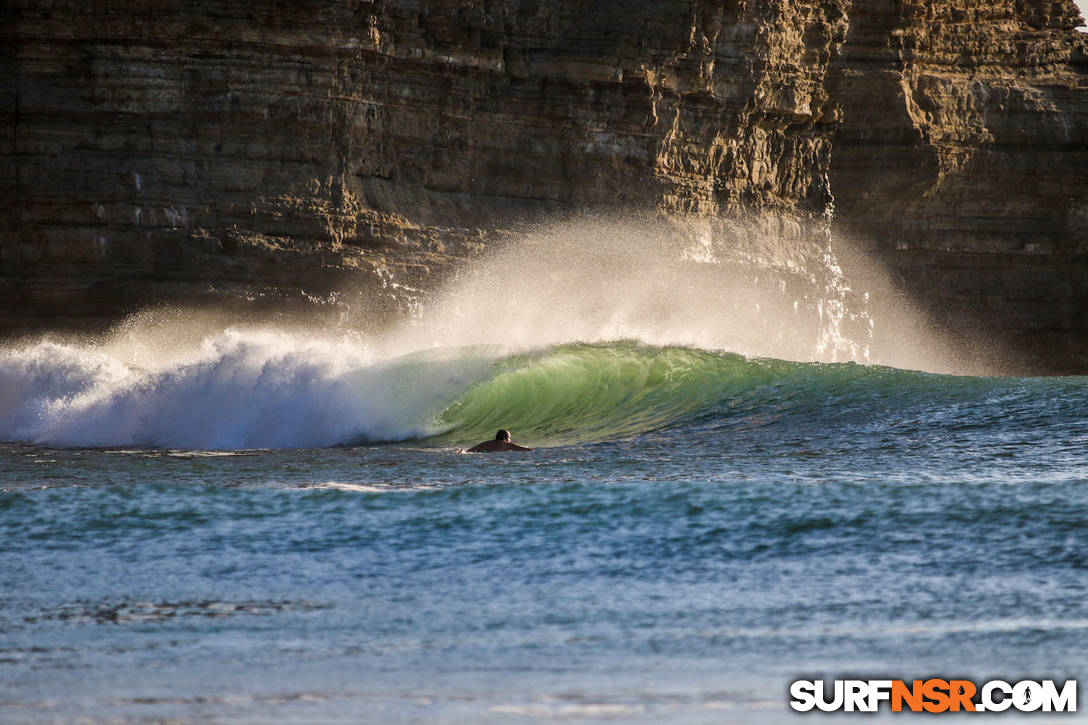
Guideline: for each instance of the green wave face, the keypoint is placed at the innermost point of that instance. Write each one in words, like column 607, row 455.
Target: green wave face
column 583, row 393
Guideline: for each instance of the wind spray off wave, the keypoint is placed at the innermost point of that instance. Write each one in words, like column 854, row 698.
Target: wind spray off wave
column 522, row 338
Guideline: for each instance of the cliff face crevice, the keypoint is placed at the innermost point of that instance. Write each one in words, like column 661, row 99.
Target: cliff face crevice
column 236, row 152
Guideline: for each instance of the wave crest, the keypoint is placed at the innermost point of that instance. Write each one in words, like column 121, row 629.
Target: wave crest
column 243, row 389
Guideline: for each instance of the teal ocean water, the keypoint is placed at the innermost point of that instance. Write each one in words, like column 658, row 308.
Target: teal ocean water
column 251, row 530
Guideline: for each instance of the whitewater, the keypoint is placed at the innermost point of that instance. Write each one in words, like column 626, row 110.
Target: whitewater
column 736, row 484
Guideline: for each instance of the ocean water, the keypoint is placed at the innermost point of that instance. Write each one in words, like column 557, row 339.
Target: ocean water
column 266, row 527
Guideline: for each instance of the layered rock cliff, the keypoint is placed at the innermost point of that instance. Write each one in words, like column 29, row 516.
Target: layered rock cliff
column 177, row 151
column 962, row 158
column 278, row 152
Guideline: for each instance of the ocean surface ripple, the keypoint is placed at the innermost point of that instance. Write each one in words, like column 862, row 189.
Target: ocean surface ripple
column 274, row 528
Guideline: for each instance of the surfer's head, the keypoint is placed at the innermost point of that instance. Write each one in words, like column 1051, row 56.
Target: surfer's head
column 503, row 435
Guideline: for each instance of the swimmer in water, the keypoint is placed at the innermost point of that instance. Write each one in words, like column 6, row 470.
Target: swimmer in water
column 501, row 443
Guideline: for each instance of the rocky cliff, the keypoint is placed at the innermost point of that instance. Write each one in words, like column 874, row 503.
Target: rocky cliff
column 234, row 150
column 275, row 152
column 962, row 159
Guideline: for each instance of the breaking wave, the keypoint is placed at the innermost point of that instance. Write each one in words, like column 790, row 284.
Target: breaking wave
column 266, row 389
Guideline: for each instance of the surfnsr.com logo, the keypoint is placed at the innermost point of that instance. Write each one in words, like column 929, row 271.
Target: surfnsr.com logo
column 933, row 695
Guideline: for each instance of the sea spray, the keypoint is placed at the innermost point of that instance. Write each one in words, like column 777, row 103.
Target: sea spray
column 504, row 343
column 763, row 287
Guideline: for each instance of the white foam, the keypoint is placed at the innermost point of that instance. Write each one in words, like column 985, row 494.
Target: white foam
column 236, row 389
column 371, row 488
column 580, row 710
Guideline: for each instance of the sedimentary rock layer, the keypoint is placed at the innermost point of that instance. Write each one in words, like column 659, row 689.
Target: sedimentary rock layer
column 223, row 150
